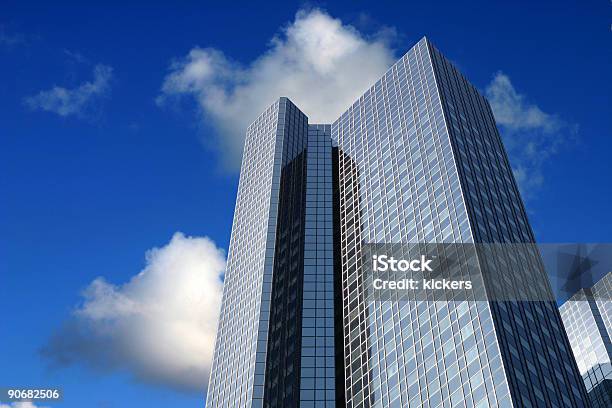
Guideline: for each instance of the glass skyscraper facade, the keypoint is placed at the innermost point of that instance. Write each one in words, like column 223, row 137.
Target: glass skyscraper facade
column 416, row 159
column 588, row 320
column 276, row 338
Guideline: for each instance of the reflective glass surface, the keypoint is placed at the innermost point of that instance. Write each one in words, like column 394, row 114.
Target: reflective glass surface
column 416, row 159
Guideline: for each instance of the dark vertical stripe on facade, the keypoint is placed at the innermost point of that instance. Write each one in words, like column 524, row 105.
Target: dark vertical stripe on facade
column 338, row 320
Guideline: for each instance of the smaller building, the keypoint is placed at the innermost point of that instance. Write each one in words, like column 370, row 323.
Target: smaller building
column 587, row 317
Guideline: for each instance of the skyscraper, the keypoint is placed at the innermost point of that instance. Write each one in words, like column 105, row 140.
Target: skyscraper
column 588, row 320
column 417, row 158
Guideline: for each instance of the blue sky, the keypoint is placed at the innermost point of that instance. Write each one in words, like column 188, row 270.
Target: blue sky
column 130, row 149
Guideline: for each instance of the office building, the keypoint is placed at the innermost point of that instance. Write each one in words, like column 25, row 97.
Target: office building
column 588, row 321
column 416, row 159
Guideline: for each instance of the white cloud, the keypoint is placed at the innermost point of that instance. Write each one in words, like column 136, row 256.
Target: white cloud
column 66, row 102
column 10, row 40
column 323, row 65
column 160, row 326
column 531, row 135
column 24, row 404
column 513, row 111
column 317, row 61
